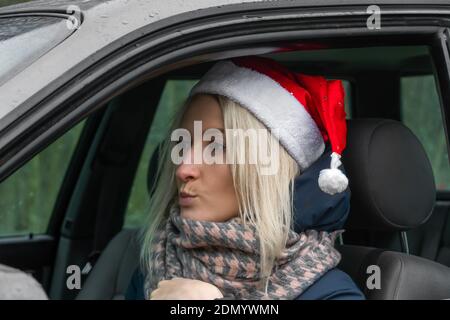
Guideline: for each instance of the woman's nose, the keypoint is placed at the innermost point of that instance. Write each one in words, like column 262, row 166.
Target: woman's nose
column 187, row 170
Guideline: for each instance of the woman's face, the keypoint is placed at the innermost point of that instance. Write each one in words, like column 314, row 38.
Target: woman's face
column 210, row 186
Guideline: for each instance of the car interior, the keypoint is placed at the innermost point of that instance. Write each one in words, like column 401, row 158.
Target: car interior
column 398, row 176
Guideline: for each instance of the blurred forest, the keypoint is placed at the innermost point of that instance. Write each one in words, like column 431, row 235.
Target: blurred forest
column 27, row 197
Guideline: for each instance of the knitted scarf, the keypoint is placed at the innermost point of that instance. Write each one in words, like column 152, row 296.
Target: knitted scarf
column 226, row 255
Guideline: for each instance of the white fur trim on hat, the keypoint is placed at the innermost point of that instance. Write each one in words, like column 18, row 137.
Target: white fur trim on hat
column 269, row 102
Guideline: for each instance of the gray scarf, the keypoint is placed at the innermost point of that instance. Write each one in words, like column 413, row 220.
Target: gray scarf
column 226, row 255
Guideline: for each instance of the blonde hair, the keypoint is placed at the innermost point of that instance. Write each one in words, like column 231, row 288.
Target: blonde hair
column 265, row 201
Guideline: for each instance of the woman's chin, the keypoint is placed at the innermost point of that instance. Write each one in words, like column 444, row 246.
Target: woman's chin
column 188, row 213
column 193, row 214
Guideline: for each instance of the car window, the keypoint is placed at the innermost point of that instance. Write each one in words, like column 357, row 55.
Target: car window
column 24, row 39
column 348, row 98
column 28, row 195
column 421, row 112
column 173, row 96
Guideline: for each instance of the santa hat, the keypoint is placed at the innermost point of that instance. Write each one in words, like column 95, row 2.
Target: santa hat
column 309, row 110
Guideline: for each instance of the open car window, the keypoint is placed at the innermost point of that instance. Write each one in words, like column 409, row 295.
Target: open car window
column 29, row 194
column 174, row 93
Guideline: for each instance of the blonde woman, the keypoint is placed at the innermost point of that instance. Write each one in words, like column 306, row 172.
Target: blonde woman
column 221, row 220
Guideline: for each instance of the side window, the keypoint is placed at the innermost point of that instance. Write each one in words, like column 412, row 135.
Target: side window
column 27, row 196
column 421, row 112
column 348, row 98
column 174, row 94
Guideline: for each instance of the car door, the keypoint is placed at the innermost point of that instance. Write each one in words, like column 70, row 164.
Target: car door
column 29, row 196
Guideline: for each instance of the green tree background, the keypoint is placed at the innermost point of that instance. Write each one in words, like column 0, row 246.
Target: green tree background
column 27, row 196
column 421, row 112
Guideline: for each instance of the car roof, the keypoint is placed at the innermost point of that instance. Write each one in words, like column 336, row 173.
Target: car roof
column 51, row 5
column 107, row 21
column 88, row 4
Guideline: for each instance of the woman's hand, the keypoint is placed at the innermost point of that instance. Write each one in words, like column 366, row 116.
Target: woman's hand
column 185, row 289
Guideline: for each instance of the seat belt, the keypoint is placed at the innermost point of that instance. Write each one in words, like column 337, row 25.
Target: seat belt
column 109, row 165
column 113, row 158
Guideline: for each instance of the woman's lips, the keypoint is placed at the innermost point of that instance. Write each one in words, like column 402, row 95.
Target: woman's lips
column 186, row 199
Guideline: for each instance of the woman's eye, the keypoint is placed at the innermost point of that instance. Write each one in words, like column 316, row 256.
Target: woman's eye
column 218, row 149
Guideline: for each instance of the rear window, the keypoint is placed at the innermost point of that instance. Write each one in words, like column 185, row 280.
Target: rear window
column 23, row 39
column 421, row 112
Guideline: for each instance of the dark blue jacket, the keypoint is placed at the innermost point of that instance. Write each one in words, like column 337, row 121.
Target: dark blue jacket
column 313, row 209
column 333, row 285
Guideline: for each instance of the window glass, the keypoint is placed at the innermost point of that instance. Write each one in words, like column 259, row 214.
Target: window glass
column 348, row 98
column 27, row 196
column 421, row 112
column 174, row 94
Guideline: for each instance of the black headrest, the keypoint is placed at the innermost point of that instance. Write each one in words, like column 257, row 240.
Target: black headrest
column 313, row 208
column 389, row 174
